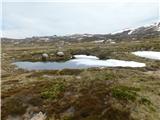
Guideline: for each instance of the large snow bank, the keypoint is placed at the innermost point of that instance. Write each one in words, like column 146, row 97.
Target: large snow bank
column 107, row 63
column 148, row 54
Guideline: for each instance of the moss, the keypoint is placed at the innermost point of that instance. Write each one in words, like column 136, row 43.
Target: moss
column 125, row 93
column 53, row 91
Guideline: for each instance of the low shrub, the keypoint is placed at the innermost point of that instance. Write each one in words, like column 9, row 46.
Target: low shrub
column 53, row 91
column 125, row 93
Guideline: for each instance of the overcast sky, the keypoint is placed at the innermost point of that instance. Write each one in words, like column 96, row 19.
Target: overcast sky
column 26, row 19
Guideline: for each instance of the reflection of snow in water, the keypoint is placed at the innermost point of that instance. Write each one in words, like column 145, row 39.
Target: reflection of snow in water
column 148, row 54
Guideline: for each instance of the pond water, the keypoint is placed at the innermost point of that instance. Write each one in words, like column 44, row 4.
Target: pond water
column 80, row 62
column 148, row 54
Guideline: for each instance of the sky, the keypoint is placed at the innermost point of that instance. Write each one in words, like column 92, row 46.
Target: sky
column 38, row 18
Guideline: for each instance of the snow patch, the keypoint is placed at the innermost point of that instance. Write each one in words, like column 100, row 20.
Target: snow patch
column 130, row 32
column 148, row 54
column 98, row 41
column 112, row 42
column 107, row 63
column 85, row 57
column 158, row 29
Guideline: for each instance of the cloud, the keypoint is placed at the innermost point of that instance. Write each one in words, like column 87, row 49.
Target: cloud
column 84, row 1
column 25, row 19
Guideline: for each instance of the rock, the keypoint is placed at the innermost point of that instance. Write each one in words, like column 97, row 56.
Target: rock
column 47, row 76
column 44, row 56
column 61, row 54
column 78, row 77
column 68, row 113
column 39, row 116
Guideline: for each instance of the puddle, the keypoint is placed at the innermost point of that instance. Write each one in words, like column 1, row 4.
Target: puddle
column 80, row 62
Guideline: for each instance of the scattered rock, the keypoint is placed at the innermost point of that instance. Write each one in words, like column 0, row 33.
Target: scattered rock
column 44, row 56
column 48, row 76
column 78, row 77
column 60, row 54
column 39, row 116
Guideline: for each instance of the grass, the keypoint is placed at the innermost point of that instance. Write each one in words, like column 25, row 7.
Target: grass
column 145, row 101
column 53, row 91
column 125, row 93
column 110, row 93
column 93, row 86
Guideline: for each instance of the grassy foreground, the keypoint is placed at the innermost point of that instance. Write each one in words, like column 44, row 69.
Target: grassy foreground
column 86, row 94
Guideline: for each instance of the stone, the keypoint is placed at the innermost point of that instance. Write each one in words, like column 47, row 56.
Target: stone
column 61, row 54
column 44, row 56
column 39, row 116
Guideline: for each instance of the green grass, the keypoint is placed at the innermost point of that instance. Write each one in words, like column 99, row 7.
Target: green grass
column 125, row 93
column 53, row 91
column 145, row 101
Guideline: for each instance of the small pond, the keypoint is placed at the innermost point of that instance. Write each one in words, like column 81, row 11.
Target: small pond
column 79, row 62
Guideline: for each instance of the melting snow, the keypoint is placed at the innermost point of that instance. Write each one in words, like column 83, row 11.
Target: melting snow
column 85, row 57
column 107, row 63
column 148, row 54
